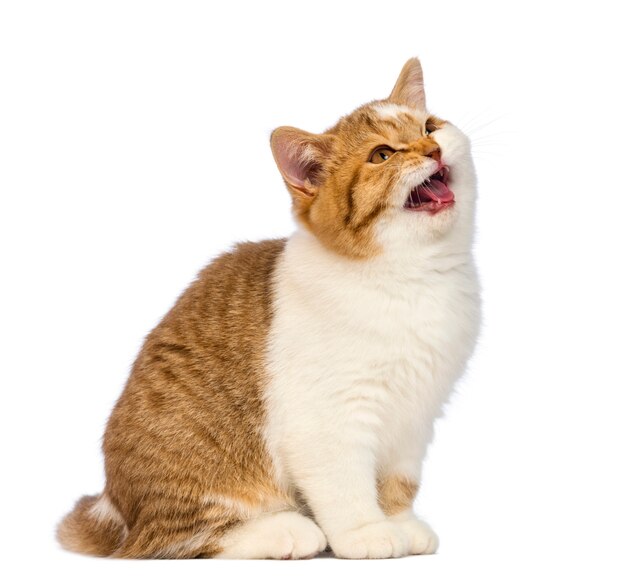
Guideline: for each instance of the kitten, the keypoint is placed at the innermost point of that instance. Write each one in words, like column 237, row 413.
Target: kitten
column 287, row 400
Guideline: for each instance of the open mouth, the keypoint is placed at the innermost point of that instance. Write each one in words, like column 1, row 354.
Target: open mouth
column 433, row 194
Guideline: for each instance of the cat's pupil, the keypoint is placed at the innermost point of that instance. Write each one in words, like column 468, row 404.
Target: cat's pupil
column 384, row 156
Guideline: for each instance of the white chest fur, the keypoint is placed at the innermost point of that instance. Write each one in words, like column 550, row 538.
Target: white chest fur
column 364, row 353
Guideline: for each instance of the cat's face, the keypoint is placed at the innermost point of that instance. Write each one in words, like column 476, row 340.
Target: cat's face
column 387, row 172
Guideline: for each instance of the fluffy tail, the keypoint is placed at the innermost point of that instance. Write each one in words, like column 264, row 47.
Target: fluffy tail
column 94, row 527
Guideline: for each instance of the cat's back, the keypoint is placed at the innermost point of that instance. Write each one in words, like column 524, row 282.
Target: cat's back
column 234, row 287
column 198, row 382
column 223, row 316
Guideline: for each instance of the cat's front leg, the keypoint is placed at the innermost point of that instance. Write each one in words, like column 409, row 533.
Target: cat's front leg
column 338, row 479
column 396, row 493
column 344, row 504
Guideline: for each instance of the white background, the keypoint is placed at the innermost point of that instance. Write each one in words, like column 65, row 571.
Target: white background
column 134, row 148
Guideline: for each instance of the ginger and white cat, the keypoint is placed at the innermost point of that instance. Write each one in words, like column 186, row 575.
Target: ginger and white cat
column 287, row 400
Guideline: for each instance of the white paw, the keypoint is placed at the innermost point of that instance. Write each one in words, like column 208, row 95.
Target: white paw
column 423, row 539
column 284, row 535
column 379, row 540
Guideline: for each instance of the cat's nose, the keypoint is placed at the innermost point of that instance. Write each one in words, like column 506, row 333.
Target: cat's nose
column 435, row 154
column 429, row 148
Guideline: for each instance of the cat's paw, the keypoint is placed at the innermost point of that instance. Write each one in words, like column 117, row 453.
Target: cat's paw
column 299, row 538
column 423, row 539
column 379, row 540
column 284, row 535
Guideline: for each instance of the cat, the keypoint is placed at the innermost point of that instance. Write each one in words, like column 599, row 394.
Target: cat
column 286, row 401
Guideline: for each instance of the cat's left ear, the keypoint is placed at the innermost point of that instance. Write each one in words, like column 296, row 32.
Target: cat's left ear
column 409, row 89
column 300, row 157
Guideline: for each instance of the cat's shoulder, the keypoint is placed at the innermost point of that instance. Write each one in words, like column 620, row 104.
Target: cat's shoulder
column 245, row 260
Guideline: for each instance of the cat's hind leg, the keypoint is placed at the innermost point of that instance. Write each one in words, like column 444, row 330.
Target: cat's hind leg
column 171, row 529
column 221, row 528
column 279, row 535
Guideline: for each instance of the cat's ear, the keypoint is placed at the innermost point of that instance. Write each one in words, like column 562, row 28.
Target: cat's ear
column 300, row 157
column 409, row 89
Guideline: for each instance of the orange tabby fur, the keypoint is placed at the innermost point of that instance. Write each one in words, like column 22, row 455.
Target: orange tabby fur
column 182, row 463
column 396, row 494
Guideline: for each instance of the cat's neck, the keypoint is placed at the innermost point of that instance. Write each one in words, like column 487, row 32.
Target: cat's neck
column 412, row 260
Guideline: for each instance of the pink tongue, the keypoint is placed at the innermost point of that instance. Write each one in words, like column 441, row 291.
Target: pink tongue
column 436, row 190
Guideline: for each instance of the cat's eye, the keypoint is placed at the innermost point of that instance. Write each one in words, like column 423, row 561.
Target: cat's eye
column 381, row 154
column 430, row 127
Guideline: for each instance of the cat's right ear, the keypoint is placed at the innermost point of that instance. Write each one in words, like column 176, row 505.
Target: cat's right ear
column 301, row 157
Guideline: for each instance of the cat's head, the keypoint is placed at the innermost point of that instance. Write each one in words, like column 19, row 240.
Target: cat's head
column 386, row 173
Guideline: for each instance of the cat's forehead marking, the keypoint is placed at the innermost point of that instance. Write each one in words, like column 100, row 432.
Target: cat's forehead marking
column 396, row 122
column 390, row 110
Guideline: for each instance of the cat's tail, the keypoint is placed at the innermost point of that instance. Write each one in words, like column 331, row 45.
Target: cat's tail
column 94, row 526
